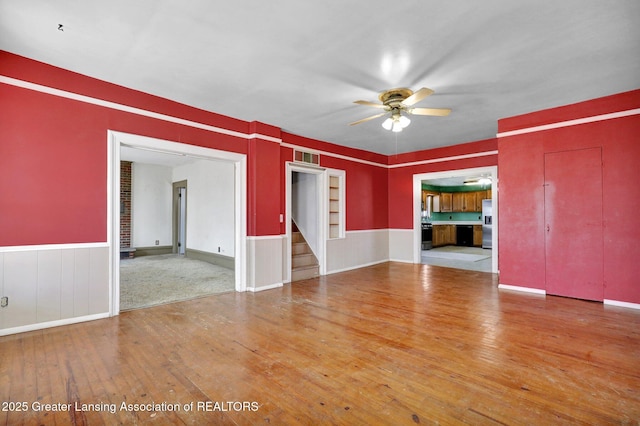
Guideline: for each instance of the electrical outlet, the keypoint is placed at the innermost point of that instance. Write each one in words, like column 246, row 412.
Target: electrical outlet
column 157, row 242
column 4, row 302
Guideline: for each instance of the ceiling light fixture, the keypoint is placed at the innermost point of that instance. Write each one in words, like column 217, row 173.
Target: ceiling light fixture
column 399, row 102
column 396, row 122
column 482, row 180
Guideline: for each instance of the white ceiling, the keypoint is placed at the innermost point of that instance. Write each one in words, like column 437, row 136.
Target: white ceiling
column 159, row 158
column 300, row 65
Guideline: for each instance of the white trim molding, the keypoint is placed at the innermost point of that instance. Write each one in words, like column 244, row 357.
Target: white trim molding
column 50, row 324
column 417, row 207
column 265, row 287
column 133, row 110
column 522, row 289
column 622, row 304
column 246, row 136
column 441, row 159
column 117, row 139
column 569, row 123
column 351, row 268
column 40, row 247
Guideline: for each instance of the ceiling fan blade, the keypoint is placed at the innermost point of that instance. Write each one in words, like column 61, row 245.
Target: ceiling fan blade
column 371, row 104
column 439, row 112
column 417, row 96
column 367, row 119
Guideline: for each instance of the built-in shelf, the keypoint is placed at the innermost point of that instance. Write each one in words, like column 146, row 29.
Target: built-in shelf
column 334, row 207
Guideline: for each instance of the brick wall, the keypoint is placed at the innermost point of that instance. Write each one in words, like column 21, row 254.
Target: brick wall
column 125, row 208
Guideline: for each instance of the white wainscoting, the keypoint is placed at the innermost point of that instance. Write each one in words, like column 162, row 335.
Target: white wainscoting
column 264, row 262
column 53, row 285
column 358, row 249
column 401, row 245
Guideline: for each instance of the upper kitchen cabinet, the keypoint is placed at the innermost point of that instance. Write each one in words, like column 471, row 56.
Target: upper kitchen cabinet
column 469, row 202
column 482, row 195
column 446, row 202
column 463, row 202
column 466, row 201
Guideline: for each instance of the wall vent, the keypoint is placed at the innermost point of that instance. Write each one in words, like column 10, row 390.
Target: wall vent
column 306, row 157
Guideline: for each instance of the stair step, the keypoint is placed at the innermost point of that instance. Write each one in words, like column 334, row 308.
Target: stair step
column 305, row 273
column 302, row 260
column 300, row 248
column 296, row 237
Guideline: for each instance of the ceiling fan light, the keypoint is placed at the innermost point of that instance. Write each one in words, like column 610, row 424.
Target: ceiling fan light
column 387, row 124
column 397, row 127
column 404, row 121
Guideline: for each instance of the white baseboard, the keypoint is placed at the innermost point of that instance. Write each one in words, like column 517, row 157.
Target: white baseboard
column 351, row 268
column 401, row 261
column 266, row 287
column 50, row 324
column 522, row 289
column 622, row 304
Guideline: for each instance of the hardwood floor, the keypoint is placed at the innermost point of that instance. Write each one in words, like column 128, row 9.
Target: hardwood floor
column 389, row 344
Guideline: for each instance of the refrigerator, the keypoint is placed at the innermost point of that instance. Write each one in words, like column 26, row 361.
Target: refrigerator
column 487, row 209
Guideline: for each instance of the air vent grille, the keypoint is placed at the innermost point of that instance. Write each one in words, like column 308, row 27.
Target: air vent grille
column 306, row 157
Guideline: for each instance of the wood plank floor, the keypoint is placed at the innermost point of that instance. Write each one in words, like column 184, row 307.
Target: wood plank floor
column 389, row 344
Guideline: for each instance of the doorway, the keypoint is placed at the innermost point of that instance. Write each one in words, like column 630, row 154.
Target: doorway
column 306, row 193
column 460, row 174
column 237, row 225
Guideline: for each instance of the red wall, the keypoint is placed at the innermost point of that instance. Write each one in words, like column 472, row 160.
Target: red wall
column 53, row 154
column 521, row 170
column 401, row 178
column 53, row 158
column 366, row 185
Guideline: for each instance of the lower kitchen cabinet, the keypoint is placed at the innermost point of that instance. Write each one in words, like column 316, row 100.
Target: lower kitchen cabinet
column 444, row 235
column 477, row 235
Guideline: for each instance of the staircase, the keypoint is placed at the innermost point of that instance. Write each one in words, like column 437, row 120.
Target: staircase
column 304, row 264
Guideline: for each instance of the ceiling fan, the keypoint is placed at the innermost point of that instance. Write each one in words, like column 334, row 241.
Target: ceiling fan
column 397, row 103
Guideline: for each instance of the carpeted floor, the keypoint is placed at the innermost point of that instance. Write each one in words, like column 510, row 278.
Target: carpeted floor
column 155, row 280
column 470, row 258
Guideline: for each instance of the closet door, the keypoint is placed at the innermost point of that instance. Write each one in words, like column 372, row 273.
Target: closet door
column 573, row 224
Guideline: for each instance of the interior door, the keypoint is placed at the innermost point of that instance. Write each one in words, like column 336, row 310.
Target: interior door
column 182, row 220
column 573, row 223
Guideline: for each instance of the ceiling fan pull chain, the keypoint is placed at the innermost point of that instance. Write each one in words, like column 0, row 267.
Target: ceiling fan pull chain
column 396, row 133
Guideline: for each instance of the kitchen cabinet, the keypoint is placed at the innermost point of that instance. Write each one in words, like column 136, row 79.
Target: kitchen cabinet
column 482, row 195
column 477, row 235
column 458, row 202
column 465, row 202
column 469, row 202
column 446, row 202
column 444, row 235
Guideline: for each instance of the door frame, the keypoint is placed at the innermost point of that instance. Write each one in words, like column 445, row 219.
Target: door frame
column 417, row 207
column 323, row 215
column 177, row 216
column 117, row 139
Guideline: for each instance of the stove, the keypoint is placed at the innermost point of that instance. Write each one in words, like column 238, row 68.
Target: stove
column 427, row 236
